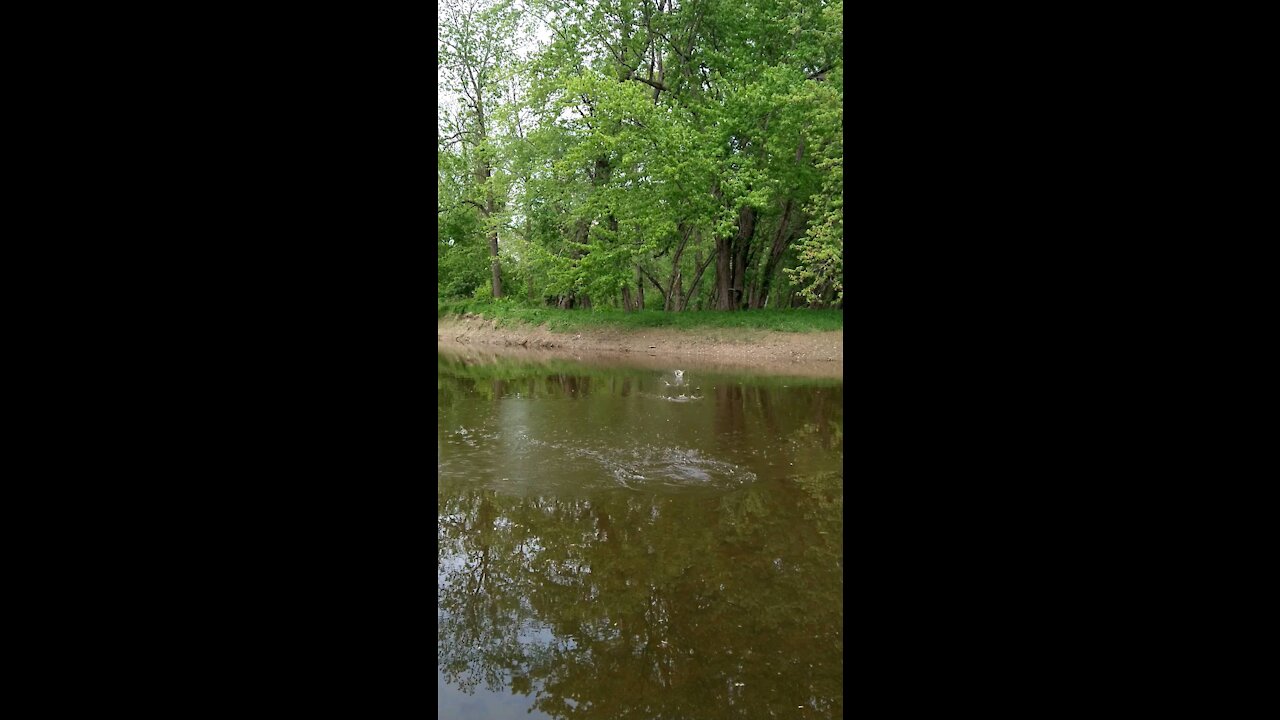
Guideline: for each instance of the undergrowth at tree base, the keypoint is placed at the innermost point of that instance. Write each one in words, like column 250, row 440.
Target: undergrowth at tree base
column 508, row 312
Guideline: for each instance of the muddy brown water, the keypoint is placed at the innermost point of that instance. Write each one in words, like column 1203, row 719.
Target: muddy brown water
column 632, row 542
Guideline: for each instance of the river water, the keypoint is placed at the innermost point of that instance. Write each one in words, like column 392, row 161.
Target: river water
column 624, row 542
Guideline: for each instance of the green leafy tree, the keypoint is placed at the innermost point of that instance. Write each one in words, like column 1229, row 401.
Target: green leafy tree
column 476, row 55
column 691, row 149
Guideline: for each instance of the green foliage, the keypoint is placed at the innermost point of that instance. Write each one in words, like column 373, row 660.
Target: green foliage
column 629, row 144
column 508, row 311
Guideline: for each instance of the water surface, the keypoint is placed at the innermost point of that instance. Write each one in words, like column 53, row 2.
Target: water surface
column 631, row 543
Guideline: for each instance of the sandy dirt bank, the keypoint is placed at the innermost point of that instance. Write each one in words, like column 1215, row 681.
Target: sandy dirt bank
column 812, row 354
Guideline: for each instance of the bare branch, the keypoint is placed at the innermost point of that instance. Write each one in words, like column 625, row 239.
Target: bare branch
column 456, row 136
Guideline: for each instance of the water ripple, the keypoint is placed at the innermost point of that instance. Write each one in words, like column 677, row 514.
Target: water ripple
column 643, row 465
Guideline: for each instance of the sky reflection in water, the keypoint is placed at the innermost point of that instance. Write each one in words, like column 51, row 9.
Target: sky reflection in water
column 626, row 543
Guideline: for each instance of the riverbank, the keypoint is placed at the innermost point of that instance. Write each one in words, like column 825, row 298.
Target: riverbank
column 818, row 353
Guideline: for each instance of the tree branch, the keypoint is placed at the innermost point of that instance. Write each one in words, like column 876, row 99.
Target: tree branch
column 697, row 279
column 817, row 73
column 456, row 136
column 460, row 203
column 655, row 282
column 651, row 83
column 672, row 45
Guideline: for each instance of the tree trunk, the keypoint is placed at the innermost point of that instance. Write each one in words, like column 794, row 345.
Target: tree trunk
column 493, row 264
column 673, row 291
column 697, row 278
column 739, row 273
column 781, row 238
column 731, row 261
column 528, row 271
column 484, row 171
column 626, row 298
column 746, row 231
column 724, row 280
column 639, row 289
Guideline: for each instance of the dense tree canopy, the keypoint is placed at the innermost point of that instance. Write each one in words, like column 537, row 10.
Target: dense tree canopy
column 605, row 151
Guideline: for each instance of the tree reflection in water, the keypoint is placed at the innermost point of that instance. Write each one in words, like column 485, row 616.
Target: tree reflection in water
column 657, row 608
column 614, row 602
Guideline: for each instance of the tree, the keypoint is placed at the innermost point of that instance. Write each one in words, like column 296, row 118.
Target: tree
column 663, row 143
column 476, row 44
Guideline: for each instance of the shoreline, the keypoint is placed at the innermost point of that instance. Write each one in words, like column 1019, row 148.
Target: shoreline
column 818, row 354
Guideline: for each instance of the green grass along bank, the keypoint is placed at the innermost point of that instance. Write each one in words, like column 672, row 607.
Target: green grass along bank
column 511, row 313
